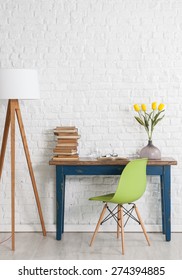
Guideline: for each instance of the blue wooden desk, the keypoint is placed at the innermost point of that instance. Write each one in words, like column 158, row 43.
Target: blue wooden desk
column 86, row 167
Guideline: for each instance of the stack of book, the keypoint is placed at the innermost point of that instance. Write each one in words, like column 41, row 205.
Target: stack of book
column 67, row 143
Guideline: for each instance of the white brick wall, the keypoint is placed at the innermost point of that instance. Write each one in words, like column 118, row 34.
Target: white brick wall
column 95, row 59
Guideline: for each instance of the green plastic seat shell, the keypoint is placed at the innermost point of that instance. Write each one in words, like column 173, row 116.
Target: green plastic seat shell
column 131, row 185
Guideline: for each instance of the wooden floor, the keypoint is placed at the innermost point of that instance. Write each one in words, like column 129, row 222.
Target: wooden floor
column 75, row 246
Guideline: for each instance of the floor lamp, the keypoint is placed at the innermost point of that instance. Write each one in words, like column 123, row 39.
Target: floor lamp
column 16, row 84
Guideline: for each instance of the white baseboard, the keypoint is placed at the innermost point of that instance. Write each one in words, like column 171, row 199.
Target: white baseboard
column 86, row 228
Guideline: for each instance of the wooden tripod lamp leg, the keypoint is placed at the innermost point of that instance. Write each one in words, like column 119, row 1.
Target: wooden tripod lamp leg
column 5, row 137
column 12, row 118
column 25, row 145
column 13, row 107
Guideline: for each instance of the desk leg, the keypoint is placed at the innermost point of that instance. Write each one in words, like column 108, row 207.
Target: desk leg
column 60, row 193
column 167, row 200
column 63, row 200
column 162, row 204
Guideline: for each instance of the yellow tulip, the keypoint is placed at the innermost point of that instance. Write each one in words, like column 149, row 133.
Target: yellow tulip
column 154, row 105
column 136, row 107
column 144, row 107
column 161, row 107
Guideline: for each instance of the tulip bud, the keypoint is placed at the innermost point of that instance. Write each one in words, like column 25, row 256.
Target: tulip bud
column 136, row 107
column 154, row 105
column 144, row 107
column 161, row 107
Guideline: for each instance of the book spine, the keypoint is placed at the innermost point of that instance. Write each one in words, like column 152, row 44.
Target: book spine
column 67, row 143
column 66, row 133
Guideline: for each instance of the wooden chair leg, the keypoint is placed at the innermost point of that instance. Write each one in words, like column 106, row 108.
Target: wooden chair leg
column 122, row 229
column 119, row 221
column 98, row 224
column 142, row 225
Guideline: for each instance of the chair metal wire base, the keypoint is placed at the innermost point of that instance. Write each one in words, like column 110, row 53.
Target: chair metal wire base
column 114, row 214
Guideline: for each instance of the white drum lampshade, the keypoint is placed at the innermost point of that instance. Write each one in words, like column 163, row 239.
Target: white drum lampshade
column 19, row 84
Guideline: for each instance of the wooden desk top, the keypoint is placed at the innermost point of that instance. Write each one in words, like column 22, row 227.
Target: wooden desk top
column 89, row 161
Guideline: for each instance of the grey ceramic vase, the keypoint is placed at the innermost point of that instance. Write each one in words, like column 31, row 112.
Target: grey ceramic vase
column 150, row 151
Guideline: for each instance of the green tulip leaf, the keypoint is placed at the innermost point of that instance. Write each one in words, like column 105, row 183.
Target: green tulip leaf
column 139, row 120
column 157, row 115
column 146, row 122
column 158, row 120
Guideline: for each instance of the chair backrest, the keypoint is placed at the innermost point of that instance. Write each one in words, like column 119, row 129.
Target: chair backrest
column 132, row 182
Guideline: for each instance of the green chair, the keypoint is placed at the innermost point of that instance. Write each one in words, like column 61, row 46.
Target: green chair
column 131, row 187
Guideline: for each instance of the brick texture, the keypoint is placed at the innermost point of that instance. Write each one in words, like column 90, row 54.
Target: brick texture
column 95, row 59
